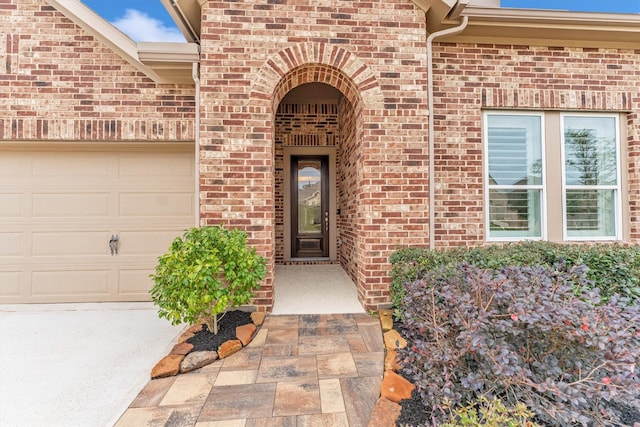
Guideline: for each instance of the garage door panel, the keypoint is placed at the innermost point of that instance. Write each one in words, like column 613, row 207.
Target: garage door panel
column 135, row 282
column 11, row 205
column 11, row 244
column 162, row 169
column 146, row 242
column 156, row 204
column 70, row 205
column 72, row 165
column 68, row 243
column 70, row 283
column 11, row 283
column 11, row 166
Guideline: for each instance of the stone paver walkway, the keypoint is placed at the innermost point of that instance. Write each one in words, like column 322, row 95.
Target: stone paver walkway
column 299, row 370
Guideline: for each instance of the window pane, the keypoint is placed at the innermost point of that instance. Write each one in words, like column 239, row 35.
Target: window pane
column 590, row 150
column 309, row 199
column 515, row 213
column 590, row 213
column 515, row 150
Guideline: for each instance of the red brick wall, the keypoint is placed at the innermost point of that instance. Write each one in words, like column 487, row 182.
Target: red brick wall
column 471, row 77
column 59, row 83
column 348, row 191
column 374, row 52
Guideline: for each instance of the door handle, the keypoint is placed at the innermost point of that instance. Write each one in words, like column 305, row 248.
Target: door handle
column 113, row 244
column 326, row 221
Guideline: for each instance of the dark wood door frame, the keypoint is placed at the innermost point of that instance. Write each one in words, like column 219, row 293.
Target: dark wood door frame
column 306, row 244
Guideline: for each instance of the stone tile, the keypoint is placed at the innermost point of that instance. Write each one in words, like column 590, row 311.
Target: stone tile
column 356, row 343
column 336, row 365
column 260, row 338
column 302, row 368
column 272, row 422
column 338, row 419
column 247, row 358
column 365, row 319
column 360, row 396
column 153, row 393
column 281, row 322
column 331, row 396
column 152, row 417
column 372, row 335
column 159, row 417
column 188, row 389
column 278, row 336
column 223, row 423
column 239, row 402
column 295, row 398
column 369, row 364
column 280, row 350
column 211, row 369
column 322, row 345
column 245, row 376
column 327, row 324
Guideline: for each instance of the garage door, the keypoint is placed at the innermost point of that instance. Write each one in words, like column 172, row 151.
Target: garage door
column 60, row 208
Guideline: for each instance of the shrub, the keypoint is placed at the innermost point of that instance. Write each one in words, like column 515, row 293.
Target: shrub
column 494, row 413
column 521, row 334
column 613, row 268
column 204, row 273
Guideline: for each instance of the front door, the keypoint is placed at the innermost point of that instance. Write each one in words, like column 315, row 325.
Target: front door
column 310, row 206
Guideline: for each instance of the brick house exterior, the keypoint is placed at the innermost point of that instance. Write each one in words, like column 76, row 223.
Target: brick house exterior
column 348, row 81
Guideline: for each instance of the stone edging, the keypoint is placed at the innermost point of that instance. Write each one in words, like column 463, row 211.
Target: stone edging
column 394, row 387
column 181, row 359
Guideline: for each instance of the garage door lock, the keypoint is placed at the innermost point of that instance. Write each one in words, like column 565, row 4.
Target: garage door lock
column 113, row 244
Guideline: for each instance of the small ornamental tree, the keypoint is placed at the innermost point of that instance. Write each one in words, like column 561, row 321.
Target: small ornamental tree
column 204, row 273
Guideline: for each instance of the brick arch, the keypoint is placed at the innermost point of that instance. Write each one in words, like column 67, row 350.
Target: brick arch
column 316, row 63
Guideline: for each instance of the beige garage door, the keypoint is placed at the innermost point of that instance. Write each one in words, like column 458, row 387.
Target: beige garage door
column 59, row 209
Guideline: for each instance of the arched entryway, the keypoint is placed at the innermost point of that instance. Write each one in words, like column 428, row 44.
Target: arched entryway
column 320, row 96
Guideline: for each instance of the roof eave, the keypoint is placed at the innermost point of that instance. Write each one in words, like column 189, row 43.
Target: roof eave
column 126, row 48
column 571, row 28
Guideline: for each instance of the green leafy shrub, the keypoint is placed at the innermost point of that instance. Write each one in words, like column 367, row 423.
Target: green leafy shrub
column 204, row 273
column 490, row 413
column 613, row 268
column 521, row 334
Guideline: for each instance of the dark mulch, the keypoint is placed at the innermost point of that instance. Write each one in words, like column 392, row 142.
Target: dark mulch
column 207, row 341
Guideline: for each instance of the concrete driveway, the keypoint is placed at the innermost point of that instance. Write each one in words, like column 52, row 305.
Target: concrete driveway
column 77, row 364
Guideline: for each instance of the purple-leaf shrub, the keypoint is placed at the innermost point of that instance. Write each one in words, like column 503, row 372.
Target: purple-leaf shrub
column 521, row 334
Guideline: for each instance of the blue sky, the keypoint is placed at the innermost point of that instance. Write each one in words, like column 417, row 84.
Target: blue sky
column 147, row 20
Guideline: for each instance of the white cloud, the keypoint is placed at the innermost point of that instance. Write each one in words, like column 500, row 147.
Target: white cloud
column 144, row 28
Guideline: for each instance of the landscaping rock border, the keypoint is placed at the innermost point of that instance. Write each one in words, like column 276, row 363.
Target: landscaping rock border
column 181, row 359
column 394, row 387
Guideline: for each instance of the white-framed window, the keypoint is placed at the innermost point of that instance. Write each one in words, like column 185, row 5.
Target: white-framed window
column 591, row 176
column 514, row 173
column 555, row 169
